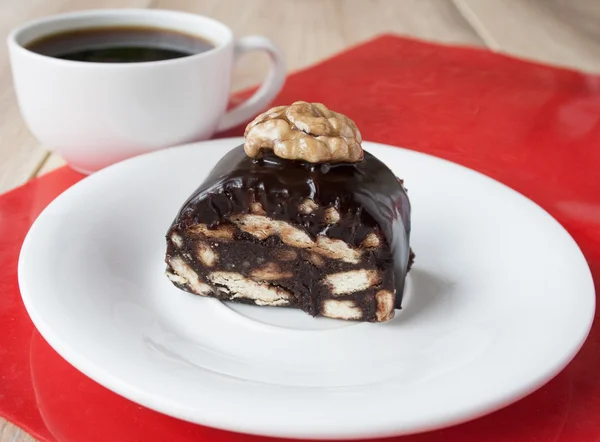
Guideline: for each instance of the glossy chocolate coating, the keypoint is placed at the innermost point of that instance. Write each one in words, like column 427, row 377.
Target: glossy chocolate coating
column 367, row 195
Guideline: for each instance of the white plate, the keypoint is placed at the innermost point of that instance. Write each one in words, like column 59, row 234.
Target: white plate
column 500, row 299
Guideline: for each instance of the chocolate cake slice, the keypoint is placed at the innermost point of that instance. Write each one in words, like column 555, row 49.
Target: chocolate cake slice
column 299, row 216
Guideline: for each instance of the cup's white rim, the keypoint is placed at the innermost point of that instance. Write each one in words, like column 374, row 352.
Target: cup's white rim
column 14, row 45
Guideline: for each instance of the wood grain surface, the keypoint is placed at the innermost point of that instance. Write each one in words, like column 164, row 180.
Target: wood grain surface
column 560, row 32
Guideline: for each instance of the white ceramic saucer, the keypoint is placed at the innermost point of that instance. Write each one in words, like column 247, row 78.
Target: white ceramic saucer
column 500, row 299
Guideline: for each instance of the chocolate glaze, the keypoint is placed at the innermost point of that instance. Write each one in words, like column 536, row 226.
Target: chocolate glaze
column 367, row 195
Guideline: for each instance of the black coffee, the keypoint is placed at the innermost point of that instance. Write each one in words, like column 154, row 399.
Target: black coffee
column 120, row 45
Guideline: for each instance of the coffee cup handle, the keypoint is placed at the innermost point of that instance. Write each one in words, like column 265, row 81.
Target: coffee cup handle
column 269, row 88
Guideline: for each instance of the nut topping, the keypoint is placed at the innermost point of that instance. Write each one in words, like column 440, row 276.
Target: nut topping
column 307, row 132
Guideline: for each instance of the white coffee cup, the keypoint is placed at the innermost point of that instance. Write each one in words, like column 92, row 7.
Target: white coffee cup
column 95, row 114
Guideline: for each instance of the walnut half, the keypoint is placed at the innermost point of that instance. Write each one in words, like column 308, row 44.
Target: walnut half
column 307, row 132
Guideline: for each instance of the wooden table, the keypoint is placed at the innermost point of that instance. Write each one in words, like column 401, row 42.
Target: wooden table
column 560, row 32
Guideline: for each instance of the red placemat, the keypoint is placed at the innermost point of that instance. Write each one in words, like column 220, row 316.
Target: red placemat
column 533, row 127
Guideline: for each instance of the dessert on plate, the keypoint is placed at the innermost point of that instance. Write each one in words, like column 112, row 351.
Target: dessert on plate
column 298, row 216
